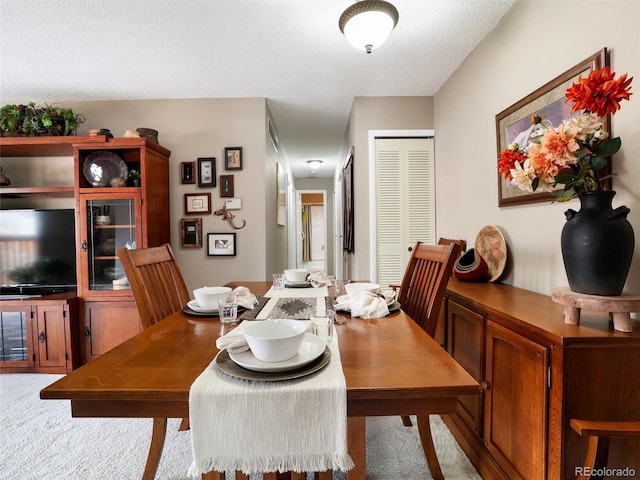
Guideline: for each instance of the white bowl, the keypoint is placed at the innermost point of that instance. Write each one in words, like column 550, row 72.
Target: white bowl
column 276, row 339
column 296, row 274
column 207, row 297
column 354, row 289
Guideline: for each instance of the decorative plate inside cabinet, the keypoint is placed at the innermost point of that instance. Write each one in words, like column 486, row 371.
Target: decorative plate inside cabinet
column 100, row 167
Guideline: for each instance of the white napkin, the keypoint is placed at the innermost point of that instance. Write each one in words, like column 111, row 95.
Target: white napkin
column 318, row 278
column 244, row 297
column 365, row 305
column 234, row 341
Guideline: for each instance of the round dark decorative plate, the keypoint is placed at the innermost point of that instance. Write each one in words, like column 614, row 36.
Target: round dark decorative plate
column 100, row 167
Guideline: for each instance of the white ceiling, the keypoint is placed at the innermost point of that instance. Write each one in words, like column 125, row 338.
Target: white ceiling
column 289, row 51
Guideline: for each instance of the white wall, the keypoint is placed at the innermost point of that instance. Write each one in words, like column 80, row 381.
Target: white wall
column 376, row 113
column 534, row 43
column 203, row 128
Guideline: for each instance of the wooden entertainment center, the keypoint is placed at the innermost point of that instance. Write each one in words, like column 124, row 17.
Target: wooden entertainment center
column 101, row 313
column 537, row 373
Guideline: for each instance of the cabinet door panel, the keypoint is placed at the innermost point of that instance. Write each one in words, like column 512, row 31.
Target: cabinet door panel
column 16, row 339
column 108, row 324
column 516, row 403
column 465, row 343
column 50, row 336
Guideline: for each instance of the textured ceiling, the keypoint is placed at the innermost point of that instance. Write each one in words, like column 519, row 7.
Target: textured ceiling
column 289, row 51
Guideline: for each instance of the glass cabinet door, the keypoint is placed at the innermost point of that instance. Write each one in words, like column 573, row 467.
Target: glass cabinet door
column 111, row 224
column 15, row 337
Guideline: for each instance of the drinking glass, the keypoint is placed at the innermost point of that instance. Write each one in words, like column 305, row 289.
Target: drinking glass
column 278, row 281
column 322, row 323
column 228, row 309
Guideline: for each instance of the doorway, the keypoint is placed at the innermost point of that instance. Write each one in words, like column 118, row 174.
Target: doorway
column 402, row 195
column 311, row 213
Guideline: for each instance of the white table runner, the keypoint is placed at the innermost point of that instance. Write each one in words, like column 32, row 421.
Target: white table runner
column 294, row 425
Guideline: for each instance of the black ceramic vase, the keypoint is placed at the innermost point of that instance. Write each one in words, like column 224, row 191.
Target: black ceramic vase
column 597, row 245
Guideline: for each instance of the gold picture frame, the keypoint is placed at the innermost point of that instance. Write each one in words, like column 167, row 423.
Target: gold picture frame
column 548, row 100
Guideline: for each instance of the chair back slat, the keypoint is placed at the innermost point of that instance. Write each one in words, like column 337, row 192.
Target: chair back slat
column 156, row 282
column 425, row 282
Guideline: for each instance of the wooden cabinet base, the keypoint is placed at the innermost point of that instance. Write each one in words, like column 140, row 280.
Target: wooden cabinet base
column 108, row 324
column 537, row 374
column 49, row 331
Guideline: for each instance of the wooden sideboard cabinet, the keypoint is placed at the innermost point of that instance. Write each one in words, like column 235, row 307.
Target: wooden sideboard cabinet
column 39, row 334
column 537, row 373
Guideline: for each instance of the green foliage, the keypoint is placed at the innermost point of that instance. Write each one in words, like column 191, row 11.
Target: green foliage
column 32, row 120
column 583, row 176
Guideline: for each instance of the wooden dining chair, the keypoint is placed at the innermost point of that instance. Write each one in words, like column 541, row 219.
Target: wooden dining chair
column 156, row 282
column 425, row 282
column 599, row 434
column 159, row 291
column 421, row 295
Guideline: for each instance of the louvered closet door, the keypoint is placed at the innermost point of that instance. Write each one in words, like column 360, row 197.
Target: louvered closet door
column 405, row 202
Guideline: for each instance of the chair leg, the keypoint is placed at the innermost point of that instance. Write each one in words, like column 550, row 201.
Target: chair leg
column 158, row 435
column 406, row 421
column 184, row 425
column 424, row 428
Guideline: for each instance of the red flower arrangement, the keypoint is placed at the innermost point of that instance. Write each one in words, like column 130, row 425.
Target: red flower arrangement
column 572, row 154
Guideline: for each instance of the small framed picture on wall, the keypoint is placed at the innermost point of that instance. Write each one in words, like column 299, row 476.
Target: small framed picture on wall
column 197, row 203
column 207, row 172
column 233, row 158
column 221, row 244
column 191, row 233
column 188, row 172
column 226, row 185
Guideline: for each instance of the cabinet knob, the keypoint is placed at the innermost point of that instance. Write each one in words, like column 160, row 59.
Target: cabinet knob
column 87, row 332
column 41, row 336
column 410, row 249
column 485, row 385
column 83, row 246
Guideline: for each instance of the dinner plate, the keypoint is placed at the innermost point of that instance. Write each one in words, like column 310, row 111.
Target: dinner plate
column 342, row 298
column 297, row 284
column 228, row 366
column 207, row 312
column 311, row 348
column 193, row 305
column 100, row 167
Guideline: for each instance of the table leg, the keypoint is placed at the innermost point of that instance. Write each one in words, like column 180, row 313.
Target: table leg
column 424, row 428
column 622, row 321
column 356, row 442
column 571, row 315
column 215, row 476
column 158, row 435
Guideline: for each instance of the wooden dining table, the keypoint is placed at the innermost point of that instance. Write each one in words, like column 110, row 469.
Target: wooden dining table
column 391, row 367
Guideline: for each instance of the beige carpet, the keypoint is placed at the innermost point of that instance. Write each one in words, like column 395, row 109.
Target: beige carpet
column 40, row 440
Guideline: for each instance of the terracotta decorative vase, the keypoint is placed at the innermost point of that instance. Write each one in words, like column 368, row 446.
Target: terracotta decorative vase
column 597, row 245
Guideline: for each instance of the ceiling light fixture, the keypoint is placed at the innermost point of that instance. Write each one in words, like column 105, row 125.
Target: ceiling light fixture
column 314, row 164
column 368, row 23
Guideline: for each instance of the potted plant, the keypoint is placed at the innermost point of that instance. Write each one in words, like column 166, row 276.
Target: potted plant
column 38, row 120
column 134, row 175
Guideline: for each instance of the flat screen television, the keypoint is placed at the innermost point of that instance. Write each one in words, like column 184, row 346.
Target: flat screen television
column 37, row 251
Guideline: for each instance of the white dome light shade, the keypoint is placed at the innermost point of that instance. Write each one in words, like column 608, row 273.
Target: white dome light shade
column 368, row 23
column 314, row 164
